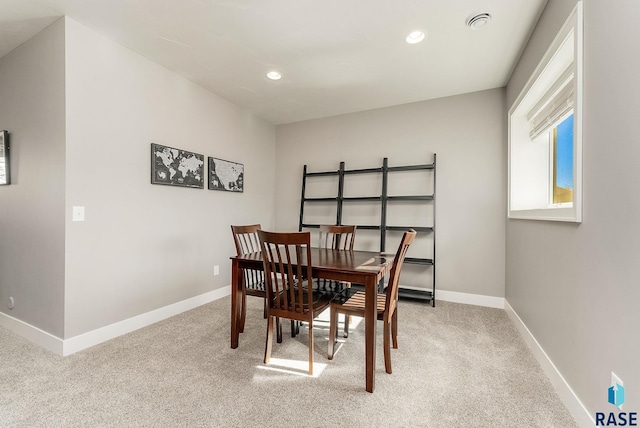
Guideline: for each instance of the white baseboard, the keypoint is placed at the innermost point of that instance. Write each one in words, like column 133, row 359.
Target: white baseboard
column 32, row 334
column 470, row 299
column 102, row 334
column 568, row 397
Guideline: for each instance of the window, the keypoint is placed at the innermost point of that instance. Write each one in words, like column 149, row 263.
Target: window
column 545, row 133
column 563, row 161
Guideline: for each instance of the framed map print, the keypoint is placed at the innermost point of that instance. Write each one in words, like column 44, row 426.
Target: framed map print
column 176, row 167
column 5, row 173
column 226, row 175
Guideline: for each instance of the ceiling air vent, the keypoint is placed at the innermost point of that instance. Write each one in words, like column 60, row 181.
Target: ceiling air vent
column 478, row 20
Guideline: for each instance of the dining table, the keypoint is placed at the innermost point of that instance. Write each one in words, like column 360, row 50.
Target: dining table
column 367, row 268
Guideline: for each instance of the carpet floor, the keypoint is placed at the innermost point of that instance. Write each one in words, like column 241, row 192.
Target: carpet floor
column 456, row 366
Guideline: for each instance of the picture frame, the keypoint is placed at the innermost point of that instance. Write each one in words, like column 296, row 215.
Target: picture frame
column 226, row 175
column 5, row 164
column 176, row 167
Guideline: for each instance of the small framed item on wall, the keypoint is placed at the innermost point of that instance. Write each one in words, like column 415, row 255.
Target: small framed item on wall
column 176, row 167
column 5, row 171
column 226, row 175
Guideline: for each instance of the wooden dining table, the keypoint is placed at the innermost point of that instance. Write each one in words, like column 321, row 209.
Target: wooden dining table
column 357, row 267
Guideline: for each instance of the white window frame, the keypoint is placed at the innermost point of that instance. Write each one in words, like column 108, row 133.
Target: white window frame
column 529, row 162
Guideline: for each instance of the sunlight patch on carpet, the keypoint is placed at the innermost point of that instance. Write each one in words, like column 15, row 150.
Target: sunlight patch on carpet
column 293, row 367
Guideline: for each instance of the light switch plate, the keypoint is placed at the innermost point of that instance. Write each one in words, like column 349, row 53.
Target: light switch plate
column 78, row 213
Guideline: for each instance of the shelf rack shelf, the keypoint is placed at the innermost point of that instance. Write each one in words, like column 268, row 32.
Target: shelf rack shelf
column 383, row 200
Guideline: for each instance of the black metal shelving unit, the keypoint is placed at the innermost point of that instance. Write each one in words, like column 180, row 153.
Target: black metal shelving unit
column 383, row 199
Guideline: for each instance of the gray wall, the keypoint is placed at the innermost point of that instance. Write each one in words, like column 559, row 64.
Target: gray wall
column 146, row 246
column 32, row 207
column 576, row 286
column 468, row 134
column 83, row 112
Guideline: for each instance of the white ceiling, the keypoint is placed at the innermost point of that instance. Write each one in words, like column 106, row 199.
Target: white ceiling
column 337, row 56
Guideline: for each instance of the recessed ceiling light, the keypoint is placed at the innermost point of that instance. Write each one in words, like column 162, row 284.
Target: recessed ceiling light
column 478, row 20
column 274, row 75
column 415, row 37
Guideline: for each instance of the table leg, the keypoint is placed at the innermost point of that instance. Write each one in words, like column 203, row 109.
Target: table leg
column 370, row 323
column 236, row 276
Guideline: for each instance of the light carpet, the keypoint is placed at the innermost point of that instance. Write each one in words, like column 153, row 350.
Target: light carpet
column 456, row 366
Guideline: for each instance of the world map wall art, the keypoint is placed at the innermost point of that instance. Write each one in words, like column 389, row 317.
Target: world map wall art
column 175, row 167
column 226, row 175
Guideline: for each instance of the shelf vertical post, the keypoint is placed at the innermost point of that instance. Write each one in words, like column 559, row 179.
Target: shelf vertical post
column 433, row 236
column 383, row 199
column 340, row 194
column 304, row 183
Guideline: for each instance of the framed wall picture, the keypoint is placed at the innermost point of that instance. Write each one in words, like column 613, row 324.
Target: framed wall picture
column 175, row 167
column 226, row 175
column 5, row 171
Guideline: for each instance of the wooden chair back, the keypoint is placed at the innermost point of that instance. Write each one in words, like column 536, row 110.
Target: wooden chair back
column 246, row 238
column 337, row 237
column 246, row 241
column 287, row 264
column 394, row 274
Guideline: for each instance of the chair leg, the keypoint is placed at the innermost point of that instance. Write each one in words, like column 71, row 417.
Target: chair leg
column 294, row 328
column 387, row 347
column 347, row 318
column 243, row 309
column 347, row 321
column 267, row 347
column 333, row 326
column 278, row 330
column 311, row 348
column 394, row 328
column 264, row 310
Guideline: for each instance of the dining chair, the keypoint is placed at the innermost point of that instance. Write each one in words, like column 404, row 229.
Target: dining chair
column 287, row 268
column 353, row 303
column 337, row 238
column 246, row 241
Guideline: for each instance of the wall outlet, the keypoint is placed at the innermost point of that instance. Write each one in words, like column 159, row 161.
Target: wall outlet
column 216, row 270
column 11, row 303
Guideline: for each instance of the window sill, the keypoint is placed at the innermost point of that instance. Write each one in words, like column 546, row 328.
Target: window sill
column 558, row 213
